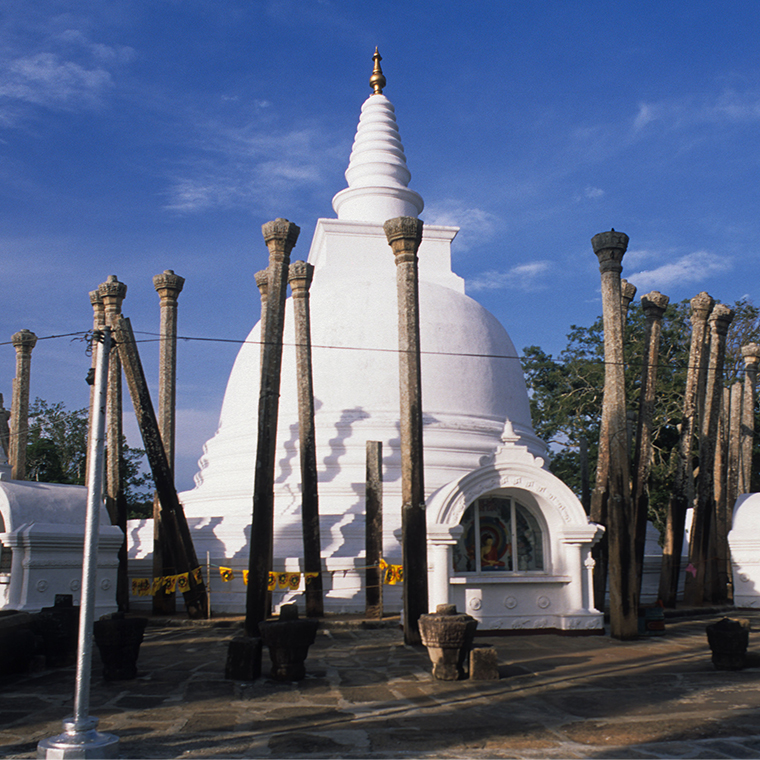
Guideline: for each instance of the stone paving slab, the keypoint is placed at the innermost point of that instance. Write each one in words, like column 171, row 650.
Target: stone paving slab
column 368, row 695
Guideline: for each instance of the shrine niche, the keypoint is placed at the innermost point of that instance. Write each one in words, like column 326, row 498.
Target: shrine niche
column 510, row 545
column 41, row 544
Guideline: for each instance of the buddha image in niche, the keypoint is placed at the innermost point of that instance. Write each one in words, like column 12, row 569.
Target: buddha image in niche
column 490, row 556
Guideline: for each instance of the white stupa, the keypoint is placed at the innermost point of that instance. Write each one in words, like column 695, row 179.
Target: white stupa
column 471, row 378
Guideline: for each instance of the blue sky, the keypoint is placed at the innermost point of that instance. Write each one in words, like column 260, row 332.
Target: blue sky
column 138, row 136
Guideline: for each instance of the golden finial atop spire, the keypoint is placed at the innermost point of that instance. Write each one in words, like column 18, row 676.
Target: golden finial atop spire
column 377, row 80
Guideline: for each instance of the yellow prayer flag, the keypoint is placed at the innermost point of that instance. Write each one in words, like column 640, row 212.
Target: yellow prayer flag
column 198, row 576
column 170, row 584
column 382, row 564
column 141, row 587
column 394, row 574
column 294, row 581
column 226, row 573
column 272, row 582
column 158, row 584
column 183, row 582
column 245, row 577
column 310, row 577
column 282, row 580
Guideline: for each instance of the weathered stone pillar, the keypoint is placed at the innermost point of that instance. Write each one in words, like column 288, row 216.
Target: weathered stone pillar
column 23, row 341
column 653, row 305
column 609, row 248
column 725, row 505
column 98, row 321
column 680, row 500
column 5, row 432
column 280, row 236
column 585, row 486
column 373, row 529
column 168, row 285
column 598, row 499
column 704, row 509
column 404, row 235
column 262, row 283
column 720, row 482
column 734, row 461
column 113, row 292
column 627, row 293
column 299, row 276
column 751, row 355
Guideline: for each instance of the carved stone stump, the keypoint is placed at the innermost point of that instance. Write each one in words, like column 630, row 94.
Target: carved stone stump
column 288, row 639
column 448, row 637
column 118, row 639
column 728, row 641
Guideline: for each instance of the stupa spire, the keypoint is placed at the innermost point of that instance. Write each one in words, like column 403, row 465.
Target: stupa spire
column 377, row 174
column 377, row 80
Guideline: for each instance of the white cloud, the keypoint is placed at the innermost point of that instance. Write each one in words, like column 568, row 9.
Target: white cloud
column 646, row 114
column 45, row 79
column 476, row 225
column 726, row 107
column 636, row 257
column 233, row 167
column 522, row 276
column 590, row 193
column 99, row 51
column 692, row 268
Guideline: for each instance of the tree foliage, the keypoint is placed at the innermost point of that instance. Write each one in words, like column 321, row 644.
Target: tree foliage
column 57, row 443
column 57, row 453
column 566, row 393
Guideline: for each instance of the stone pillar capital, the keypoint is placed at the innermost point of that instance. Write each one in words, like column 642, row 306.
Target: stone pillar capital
column 701, row 306
column 751, row 355
column 609, row 248
column 262, row 282
column 168, row 285
column 404, row 235
column 721, row 318
column 300, row 275
column 654, row 304
column 280, row 237
column 113, row 293
column 627, row 292
column 24, row 341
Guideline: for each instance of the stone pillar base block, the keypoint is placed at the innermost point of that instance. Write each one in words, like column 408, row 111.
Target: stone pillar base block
column 728, row 639
column 243, row 659
column 484, row 664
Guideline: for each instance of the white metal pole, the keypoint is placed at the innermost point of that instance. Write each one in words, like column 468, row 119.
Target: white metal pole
column 80, row 739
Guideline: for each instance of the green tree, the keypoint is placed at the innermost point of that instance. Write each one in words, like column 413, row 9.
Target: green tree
column 57, row 443
column 566, row 392
column 57, row 453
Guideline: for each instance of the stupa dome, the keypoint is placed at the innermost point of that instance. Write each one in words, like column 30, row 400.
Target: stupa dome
column 472, row 381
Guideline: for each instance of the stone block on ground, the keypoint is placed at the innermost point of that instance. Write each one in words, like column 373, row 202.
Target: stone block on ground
column 17, row 642
column 243, row 659
column 484, row 664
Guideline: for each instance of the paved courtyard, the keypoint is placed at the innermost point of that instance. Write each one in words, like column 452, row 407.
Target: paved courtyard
column 368, row 695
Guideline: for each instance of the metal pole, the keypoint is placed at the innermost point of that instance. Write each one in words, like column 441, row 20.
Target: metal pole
column 80, row 739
